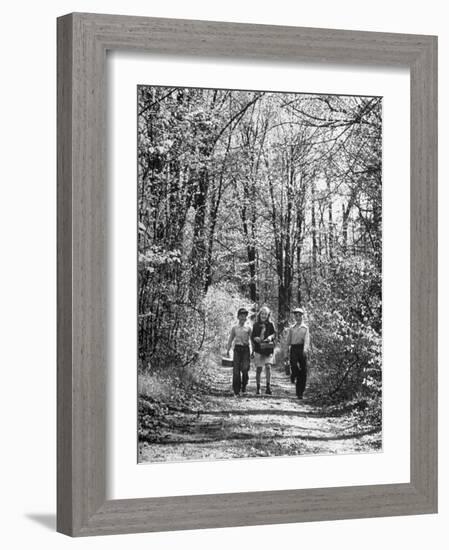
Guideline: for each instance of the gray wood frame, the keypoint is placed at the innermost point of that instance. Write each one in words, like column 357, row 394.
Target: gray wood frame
column 83, row 40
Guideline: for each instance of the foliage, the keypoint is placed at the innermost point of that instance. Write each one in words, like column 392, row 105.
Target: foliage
column 344, row 316
column 171, row 327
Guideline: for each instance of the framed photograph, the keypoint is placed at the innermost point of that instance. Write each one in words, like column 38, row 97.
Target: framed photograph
column 247, row 262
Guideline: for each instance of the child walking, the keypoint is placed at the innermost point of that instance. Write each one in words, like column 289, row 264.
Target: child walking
column 298, row 344
column 241, row 336
column 263, row 336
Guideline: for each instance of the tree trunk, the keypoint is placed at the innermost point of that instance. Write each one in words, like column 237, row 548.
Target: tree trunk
column 198, row 254
column 251, row 252
column 314, row 241
column 344, row 229
column 331, row 222
column 253, row 295
column 283, row 306
column 298, row 258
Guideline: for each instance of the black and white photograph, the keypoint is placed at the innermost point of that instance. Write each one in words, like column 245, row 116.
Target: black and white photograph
column 259, row 274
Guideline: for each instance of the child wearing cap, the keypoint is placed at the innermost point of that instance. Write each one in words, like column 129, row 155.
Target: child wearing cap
column 241, row 337
column 298, row 344
column 263, row 333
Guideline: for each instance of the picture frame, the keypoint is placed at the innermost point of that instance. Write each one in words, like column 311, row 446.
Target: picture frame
column 82, row 506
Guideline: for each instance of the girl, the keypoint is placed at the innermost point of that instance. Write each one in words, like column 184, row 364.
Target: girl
column 263, row 336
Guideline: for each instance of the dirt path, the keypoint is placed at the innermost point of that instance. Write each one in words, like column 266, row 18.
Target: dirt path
column 220, row 425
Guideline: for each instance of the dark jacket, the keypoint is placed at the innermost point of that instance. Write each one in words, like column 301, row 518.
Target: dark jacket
column 257, row 330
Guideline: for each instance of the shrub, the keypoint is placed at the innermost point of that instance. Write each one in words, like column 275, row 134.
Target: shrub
column 345, row 324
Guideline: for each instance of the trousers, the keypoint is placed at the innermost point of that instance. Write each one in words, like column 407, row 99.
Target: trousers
column 240, row 368
column 298, row 365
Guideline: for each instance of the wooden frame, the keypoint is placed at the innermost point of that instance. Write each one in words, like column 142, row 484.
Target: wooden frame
column 83, row 40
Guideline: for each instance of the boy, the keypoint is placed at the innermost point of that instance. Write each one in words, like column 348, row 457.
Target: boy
column 298, row 344
column 241, row 336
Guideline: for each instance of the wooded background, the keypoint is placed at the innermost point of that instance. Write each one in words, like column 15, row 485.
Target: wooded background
column 251, row 198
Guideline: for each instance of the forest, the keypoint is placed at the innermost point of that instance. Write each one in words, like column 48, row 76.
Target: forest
column 259, row 198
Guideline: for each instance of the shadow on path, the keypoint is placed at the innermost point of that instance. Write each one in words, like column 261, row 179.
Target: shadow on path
column 248, row 436
column 268, row 411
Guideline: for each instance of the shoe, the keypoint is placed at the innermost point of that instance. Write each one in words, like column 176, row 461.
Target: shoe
column 244, row 390
column 268, row 390
column 258, row 390
column 292, row 379
column 300, row 396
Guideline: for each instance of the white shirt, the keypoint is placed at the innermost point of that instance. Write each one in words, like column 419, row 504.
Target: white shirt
column 299, row 334
column 241, row 335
